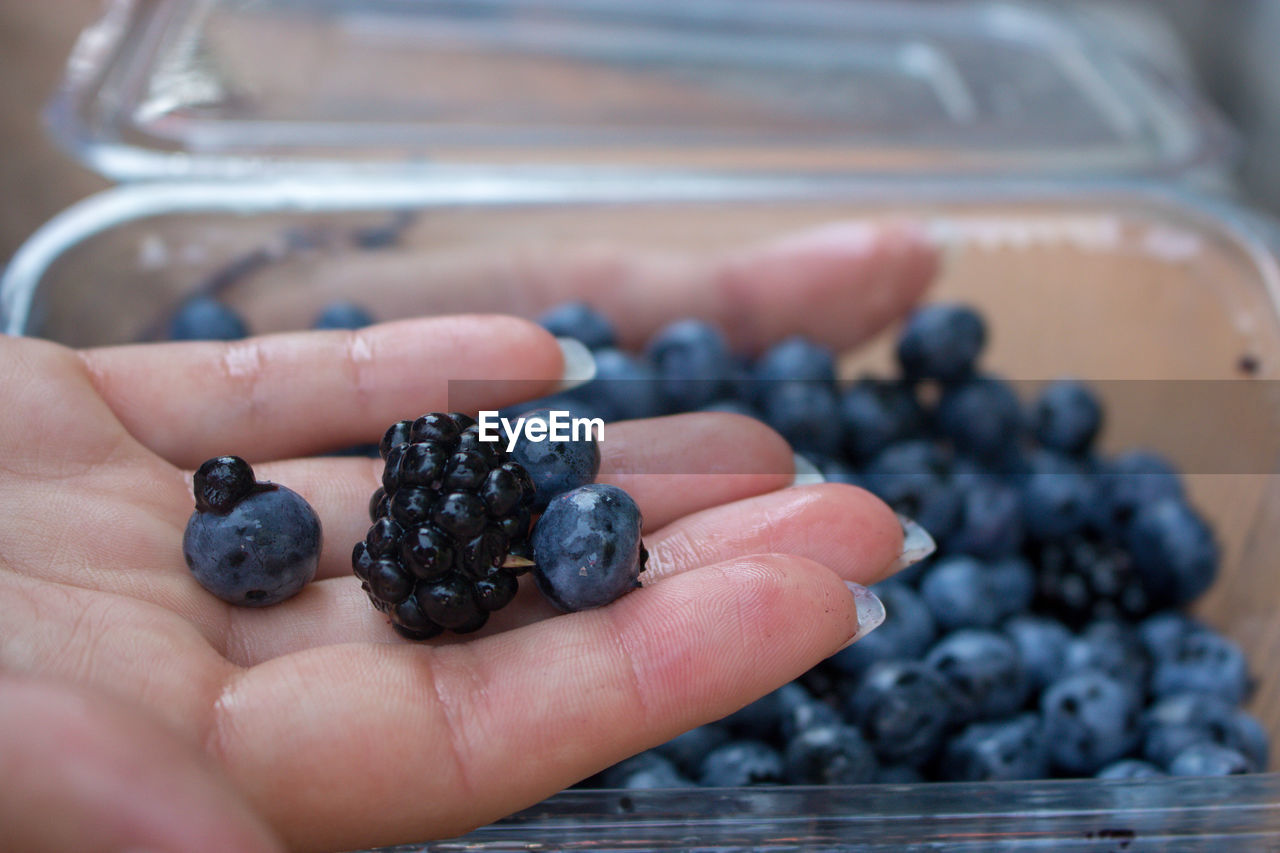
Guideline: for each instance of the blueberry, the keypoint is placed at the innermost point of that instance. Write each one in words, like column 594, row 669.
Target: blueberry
column 1000, row 751
column 877, row 413
column 1175, row 722
column 648, row 770
column 649, row 763
column 556, row 467
column 1161, row 633
column 1013, row 582
column 1042, row 644
column 1058, row 497
column 582, row 322
column 1174, row 551
column 912, row 477
column 1209, row 759
column 203, row 318
column 1203, row 662
column 740, row 763
column 1130, row 768
column 762, row 719
column 829, row 755
column 655, row 778
column 693, row 364
column 904, row 708
column 624, row 388
column 959, row 594
column 577, row 405
column 981, row 416
column 687, row 750
column 907, row 631
column 1129, row 482
column 835, row 471
column 1090, row 721
column 343, row 315
column 796, row 358
column 941, row 341
column 804, row 413
column 1067, row 417
column 984, row 672
column 808, row 715
column 260, row 551
column 1113, row 649
column 221, row 483
column 990, row 522
column 587, row 547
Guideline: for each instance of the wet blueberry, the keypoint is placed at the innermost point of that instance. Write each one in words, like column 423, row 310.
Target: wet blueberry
column 555, row 467
column 587, row 547
column 255, row 551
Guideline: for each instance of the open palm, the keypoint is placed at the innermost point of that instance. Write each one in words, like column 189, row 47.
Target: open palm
column 138, row 710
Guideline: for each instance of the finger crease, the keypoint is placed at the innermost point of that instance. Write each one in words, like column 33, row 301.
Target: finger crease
column 453, row 738
column 639, row 696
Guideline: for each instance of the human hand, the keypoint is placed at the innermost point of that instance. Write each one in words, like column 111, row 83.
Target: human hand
column 138, row 711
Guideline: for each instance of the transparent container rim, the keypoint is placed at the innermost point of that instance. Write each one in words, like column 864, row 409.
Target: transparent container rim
column 1193, row 143
column 443, row 187
column 1062, row 814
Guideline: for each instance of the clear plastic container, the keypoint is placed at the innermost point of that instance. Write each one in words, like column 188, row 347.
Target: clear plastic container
column 484, row 128
column 198, row 88
column 1142, row 291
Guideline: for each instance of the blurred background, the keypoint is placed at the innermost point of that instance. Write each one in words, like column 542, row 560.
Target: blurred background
column 1226, row 47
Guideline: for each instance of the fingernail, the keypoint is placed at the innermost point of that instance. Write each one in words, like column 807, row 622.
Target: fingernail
column 870, row 611
column 916, row 545
column 807, row 474
column 579, row 364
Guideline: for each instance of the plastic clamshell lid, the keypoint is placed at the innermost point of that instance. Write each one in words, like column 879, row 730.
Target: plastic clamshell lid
column 200, row 88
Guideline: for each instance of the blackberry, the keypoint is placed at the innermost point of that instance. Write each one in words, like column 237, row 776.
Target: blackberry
column 450, row 529
column 1081, row 579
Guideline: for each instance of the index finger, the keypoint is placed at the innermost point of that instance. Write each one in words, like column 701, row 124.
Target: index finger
column 300, row 393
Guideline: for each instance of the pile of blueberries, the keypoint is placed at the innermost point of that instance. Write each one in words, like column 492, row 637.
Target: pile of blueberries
column 1046, row 638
